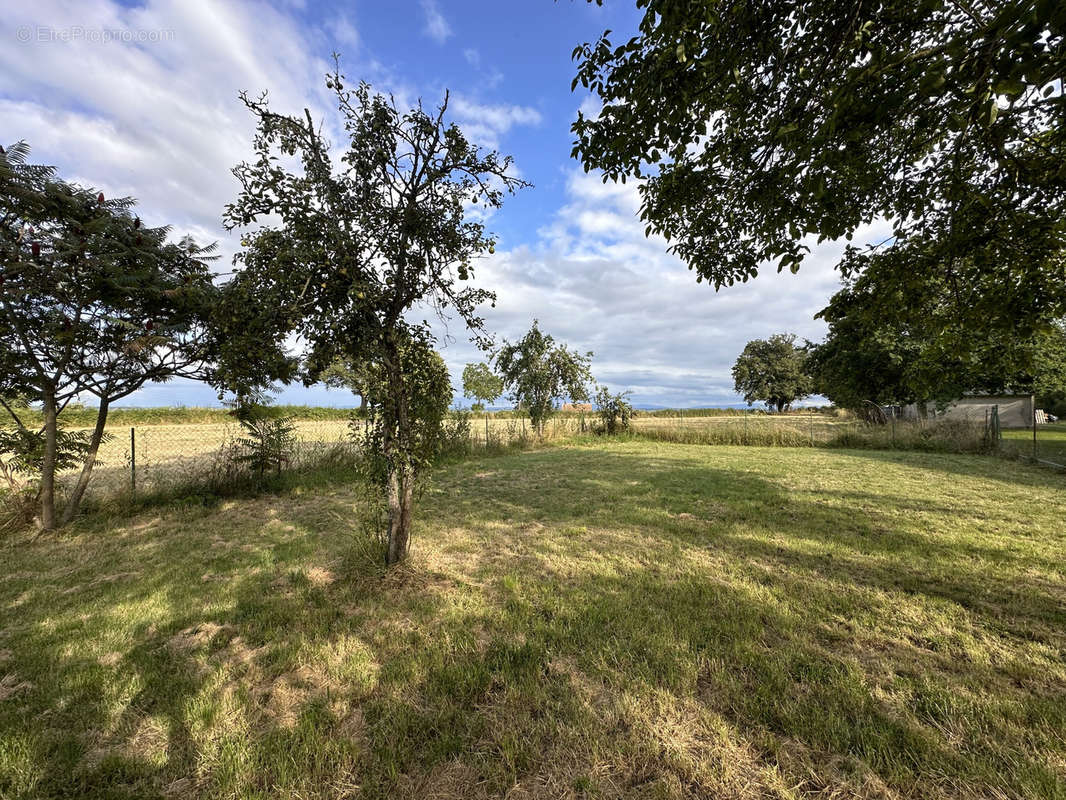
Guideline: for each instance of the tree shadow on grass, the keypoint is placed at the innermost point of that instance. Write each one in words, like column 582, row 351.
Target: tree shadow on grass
column 626, row 627
column 939, row 466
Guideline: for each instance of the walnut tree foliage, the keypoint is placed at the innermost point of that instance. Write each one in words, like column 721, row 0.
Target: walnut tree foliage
column 342, row 242
column 92, row 302
column 772, row 371
column 538, row 372
column 758, row 125
column 896, row 340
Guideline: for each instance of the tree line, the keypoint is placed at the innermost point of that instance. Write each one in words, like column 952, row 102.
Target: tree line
column 857, row 369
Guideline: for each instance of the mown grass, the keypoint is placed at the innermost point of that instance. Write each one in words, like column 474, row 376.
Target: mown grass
column 1050, row 442
column 607, row 620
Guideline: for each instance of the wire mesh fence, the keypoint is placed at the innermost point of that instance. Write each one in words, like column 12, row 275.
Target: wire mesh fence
column 152, row 458
column 155, row 458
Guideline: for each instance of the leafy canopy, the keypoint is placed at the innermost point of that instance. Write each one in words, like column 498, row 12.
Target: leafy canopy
column 481, row 383
column 91, row 299
column 893, row 339
column 538, row 372
column 814, row 118
column 772, row 371
column 350, row 239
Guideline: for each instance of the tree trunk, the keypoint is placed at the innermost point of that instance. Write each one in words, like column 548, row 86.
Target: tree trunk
column 87, row 468
column 362, row 405
column 401, row 470
column 48, row 463
column 401, row 499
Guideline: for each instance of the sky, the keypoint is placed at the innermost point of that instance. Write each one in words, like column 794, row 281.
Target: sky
column 141, row 99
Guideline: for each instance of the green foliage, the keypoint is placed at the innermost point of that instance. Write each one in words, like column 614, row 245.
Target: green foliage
column 268, row 441
column 817, row 118
column 22, row 451
column 538, row 373
column 91, row 300
column 338, row 253
column 772, row 371
column 614, row 411
column 429, row 393
column 481, row 383
column 892, row 339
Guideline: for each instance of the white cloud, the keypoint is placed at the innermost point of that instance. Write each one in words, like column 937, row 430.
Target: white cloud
column 345, row 32
column 437, row 27
column 472, row 56
column 485, row 123
column 595, row 282
column 161, row 121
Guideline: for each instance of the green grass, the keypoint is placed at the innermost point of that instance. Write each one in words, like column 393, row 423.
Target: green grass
column 625, row 619
column 1050, row 442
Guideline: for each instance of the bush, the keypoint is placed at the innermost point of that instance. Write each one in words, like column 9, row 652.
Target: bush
column 269, row 440
column 455, row 435
column 614, row 411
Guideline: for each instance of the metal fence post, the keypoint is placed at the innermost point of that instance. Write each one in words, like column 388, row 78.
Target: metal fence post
column 133, row 461
column 1032, row 403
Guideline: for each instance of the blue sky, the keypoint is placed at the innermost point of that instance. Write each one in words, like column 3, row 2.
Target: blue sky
column 141, row 99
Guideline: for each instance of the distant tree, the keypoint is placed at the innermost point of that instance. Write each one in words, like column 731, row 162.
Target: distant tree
column 92, row 303
column 815, row 118
column 342, row 373
column 538, row 373
column 348, row 242
column 614, row 410
column 483, row 385
column 772, row 371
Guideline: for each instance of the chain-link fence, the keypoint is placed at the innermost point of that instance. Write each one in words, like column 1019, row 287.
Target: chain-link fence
column 153, row 458
column 163, row 457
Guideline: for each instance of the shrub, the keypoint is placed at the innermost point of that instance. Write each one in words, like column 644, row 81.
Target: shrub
column 268, row 441
column 614, row 411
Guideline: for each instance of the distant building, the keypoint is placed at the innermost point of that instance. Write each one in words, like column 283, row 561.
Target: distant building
column 1015, row 410
column 576, row 407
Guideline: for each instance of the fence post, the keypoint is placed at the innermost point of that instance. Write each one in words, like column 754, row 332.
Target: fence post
column 1032, row 403
column 133, row 462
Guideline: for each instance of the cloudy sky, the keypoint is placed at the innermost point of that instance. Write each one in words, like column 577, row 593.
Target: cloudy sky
column 141, row 99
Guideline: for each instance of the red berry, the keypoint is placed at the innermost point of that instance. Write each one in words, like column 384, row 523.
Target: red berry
column 100, row 198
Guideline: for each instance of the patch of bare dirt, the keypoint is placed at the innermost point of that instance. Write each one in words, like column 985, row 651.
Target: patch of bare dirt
column 197, row 636
column 11, row 685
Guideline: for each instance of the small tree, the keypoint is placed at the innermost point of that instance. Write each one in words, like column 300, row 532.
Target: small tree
column 483, row 385
column 268, row 439
column 345, row 247
column 343, row 373
column 772, row 371
column 614, row 410
column 538, row 373
column 91, row 302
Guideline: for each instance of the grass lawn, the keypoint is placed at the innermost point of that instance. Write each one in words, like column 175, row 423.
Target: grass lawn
column 621, row 620
column 1050, row 441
